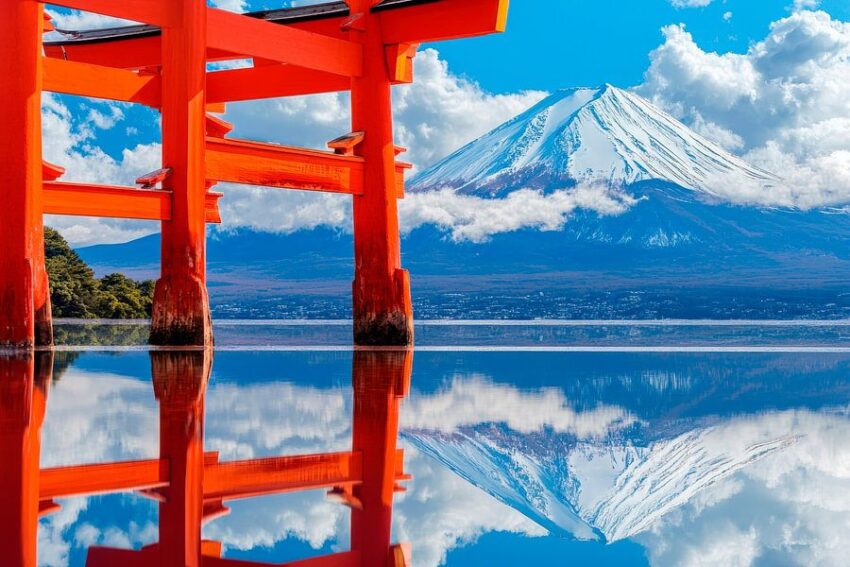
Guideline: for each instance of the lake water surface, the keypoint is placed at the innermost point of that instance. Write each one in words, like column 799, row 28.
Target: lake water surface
column 550, row 443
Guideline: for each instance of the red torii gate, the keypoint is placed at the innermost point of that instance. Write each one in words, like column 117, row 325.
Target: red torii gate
column 193, row 486
column 364, row 46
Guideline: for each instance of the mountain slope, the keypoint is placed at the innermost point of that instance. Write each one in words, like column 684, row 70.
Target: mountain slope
column 605, row 134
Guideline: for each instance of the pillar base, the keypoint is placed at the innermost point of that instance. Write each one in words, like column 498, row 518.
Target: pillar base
column 382, row 322
column 22, row 326
column 181, row 313
column 44, row 318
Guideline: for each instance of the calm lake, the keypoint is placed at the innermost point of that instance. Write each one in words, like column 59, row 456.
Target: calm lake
column 536, row 442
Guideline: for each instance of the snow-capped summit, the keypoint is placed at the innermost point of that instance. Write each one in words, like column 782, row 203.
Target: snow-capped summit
column 587, row 135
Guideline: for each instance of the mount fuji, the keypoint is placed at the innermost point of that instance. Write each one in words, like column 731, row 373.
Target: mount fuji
column 605, row 134
column 679, row 248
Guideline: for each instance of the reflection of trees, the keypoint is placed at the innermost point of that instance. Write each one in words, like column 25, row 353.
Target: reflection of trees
column 94, row 334
column 61, row 362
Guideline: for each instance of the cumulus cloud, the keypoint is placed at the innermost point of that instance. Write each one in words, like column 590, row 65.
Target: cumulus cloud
column 463, row 217
column 783, row 104
column 476, row 219
column 472, row 400
column 231, row 5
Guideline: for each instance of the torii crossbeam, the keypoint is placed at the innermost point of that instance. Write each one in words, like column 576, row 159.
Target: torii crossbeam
column 364, row 46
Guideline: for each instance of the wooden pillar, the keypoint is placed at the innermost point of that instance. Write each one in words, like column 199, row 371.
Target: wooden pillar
column 181, row 313
column 383, row 314
column 24, row 380
column 180, row 380
column 24, row 294
column 380, row 379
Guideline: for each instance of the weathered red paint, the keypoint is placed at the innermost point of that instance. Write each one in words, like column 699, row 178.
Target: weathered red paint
column 24, row 379
column 181, row 312
column 24, row 294
column 380, row 380
column 179, row 381
column 383, row 313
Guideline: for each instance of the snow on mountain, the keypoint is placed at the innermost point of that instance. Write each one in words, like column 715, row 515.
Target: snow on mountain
column 605, row 488
column 585, row 134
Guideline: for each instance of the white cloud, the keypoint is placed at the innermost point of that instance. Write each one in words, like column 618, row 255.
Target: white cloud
column 231, row 5
column 464, row 217
column 805, row 4
column 54, row 537
column 472, row 400
column 690, row 3
column 476, row 219
column 76, row 20
column 783, row 103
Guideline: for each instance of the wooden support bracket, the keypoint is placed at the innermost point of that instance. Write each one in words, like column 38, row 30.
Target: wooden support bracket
column 354, row 22
column 51, row 171
column 399, row 58
column 151, row 180
column 218, row 127
column 343, row 495
column 345, row 145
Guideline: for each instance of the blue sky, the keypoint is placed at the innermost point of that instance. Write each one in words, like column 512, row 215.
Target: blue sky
column 554, row 44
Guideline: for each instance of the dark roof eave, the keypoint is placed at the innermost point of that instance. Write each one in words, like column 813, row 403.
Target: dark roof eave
column 281, row 16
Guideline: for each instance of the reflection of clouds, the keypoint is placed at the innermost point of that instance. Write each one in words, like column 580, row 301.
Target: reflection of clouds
column 94, row 418
column 792, row 507
column 771, row 488
column 267, row 419
column 97, row 417
column 54, row 535
column 262, row 522
column 475, row 400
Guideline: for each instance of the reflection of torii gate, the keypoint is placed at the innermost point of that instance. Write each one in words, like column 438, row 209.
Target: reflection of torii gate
column 363, row 46
column 192, row 486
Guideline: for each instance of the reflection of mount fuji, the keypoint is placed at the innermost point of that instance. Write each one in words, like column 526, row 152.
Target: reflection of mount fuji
column 677, row 238
column 684, row 429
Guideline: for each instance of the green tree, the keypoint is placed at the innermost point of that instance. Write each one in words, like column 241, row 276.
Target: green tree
column 75, row 292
